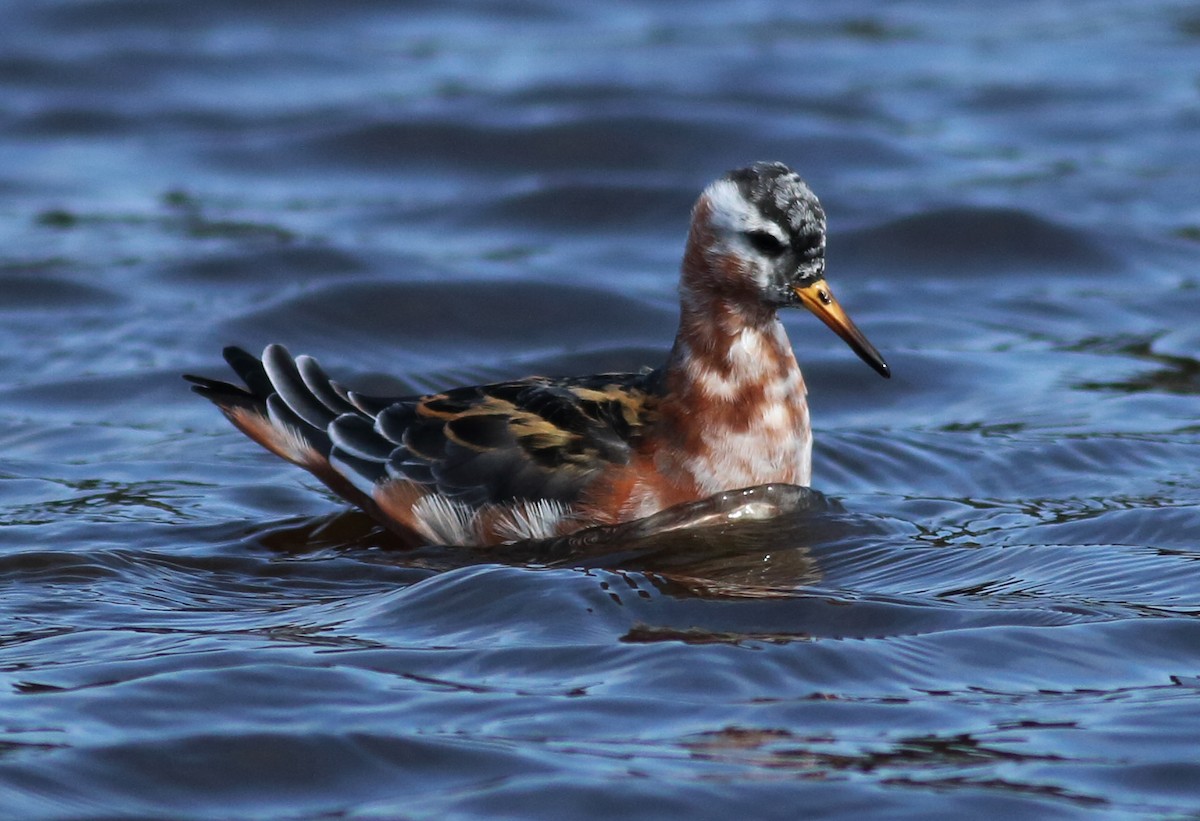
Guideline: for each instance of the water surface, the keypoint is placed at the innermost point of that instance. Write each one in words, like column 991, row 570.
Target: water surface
column 992, row 609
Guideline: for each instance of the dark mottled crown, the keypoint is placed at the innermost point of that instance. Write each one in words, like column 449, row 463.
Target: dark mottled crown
column 783, row 198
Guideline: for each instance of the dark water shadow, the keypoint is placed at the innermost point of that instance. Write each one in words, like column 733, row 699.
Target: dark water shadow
column 430, row 316
column 748, row 543
column 1169, row 373
column 973, row 242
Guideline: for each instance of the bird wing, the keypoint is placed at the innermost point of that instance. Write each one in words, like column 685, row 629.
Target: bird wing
column 528, row 439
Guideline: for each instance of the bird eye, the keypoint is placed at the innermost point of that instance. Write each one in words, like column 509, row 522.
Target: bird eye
column 765, row 243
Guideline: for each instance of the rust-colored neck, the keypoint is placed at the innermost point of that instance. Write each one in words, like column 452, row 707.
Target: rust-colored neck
column 734, row 411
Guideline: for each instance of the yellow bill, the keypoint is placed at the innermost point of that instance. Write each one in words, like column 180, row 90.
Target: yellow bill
column 819, row 299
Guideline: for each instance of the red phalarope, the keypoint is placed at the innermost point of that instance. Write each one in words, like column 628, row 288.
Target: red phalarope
column 541, row 457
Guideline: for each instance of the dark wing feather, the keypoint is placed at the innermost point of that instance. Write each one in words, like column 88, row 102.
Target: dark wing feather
column 291, row 388
column 353, row 434
column 535, row 438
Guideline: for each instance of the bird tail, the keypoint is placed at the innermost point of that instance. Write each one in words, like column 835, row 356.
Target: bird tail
column 288, row 405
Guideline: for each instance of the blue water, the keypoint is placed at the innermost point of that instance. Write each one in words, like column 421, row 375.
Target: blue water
column 995, row 614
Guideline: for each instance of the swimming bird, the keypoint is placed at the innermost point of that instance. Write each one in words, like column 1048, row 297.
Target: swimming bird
column 541, row 457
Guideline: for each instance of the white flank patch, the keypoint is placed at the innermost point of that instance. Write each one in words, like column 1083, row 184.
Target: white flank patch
column 538, row 519
column 445, row 521
column 449, row 522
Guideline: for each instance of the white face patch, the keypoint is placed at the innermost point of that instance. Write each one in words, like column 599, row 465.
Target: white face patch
column 731, row 217
column 732, row 213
